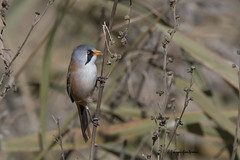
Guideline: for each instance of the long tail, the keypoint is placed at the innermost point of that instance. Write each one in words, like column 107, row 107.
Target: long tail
column 83, row 116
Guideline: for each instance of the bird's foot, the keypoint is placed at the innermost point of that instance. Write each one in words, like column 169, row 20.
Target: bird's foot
column 102, row 79
column 95, row 122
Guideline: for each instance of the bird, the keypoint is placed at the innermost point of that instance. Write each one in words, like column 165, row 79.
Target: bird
column 81, row 82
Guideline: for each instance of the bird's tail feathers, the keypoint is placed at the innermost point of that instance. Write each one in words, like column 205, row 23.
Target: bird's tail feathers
column 83, row 116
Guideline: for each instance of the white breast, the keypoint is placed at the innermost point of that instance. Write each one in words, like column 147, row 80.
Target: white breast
column 85, row 79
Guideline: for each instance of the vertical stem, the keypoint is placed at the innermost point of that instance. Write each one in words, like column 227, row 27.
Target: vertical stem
column 45, row 85
column 64, row 129
column 100, row 93
column 166, row 88
column 235, row 143
column 186, row 102
column 46, row 74
column 165, row 81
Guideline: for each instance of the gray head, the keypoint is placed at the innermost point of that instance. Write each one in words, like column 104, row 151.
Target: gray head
column 85, row 54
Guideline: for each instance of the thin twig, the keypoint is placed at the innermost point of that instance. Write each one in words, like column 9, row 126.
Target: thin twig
column 173, row 106
column 59, row 137
column 166, row 42
column 3, row 13
column 141, row 36
column 167, row 76
column 64, row 130
column 100, row 93
column 37, row 18
column 7, row 72
column 122, row 35
column 107, row 35
column 3, row 10
column 186, row 102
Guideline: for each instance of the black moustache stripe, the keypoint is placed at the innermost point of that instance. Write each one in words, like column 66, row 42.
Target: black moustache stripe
column 89, row 57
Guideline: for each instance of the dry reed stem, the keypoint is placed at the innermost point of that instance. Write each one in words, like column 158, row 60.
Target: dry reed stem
column 100, row 93
column 186, row 102
column 166, row 44
column 59, row 138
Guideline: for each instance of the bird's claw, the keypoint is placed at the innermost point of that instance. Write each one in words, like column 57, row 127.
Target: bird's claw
column 95, row 122
column 102, row 79
column 95, row 119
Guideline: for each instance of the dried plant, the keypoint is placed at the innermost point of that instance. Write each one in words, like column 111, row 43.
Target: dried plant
column 124, row 85
column 188, row 98
column 160, row 119
column 59, row 138
column 7, row 55
column 102, row 82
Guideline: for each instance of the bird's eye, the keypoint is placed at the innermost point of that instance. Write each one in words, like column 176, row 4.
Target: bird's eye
column 89, row 51
column 89, row 56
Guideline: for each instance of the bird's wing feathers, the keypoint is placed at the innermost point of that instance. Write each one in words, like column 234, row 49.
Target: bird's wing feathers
column 69, row 86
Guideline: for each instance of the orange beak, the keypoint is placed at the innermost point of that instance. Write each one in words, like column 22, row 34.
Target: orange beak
column 97, row 52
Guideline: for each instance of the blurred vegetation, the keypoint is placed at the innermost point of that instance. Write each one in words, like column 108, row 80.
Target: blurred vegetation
column 206, row 38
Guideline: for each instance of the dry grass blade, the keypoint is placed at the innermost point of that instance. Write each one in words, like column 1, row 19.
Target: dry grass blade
column 126, row 130
column 205, row 56
column 236, row 148
column 208, row 107
column 52, row 142
column 46, row 74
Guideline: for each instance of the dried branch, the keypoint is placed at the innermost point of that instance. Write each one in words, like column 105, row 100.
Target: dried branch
column 3, row 11
column 123, row 34
column 168, row 81
column 37, row 18
column 100, row 93
column 188, row 98
column 173, row 107
column 64, row 131
column 59, row 137
column 166, row 43
column 114, row 57
column 8, row 72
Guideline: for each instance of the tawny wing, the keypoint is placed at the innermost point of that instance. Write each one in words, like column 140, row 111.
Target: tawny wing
column 69, row 86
